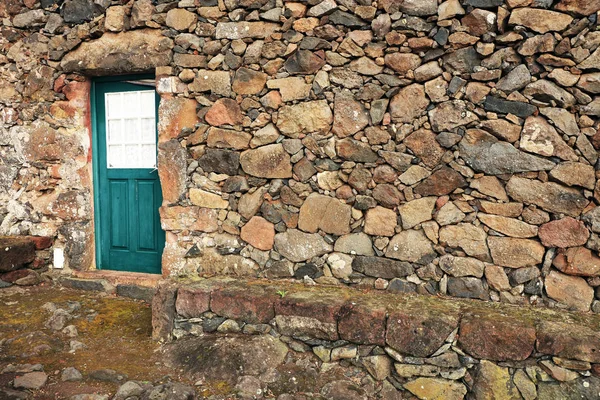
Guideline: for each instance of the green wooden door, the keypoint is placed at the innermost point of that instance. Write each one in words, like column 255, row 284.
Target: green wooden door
column 127, row 189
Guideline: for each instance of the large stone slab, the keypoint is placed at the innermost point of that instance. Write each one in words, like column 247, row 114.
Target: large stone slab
column 483, row 152
column 550, row 196
column 16, row 252
column 120, row 53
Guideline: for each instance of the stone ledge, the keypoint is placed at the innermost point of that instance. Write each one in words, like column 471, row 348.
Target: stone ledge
column 410, row 324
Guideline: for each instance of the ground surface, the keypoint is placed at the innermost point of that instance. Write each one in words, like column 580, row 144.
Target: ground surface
column 115, row 332
column 112, row 345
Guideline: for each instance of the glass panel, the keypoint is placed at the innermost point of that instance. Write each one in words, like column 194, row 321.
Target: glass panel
column 148, row 153
column 131, row 129
column 113, row 133
column 148, row 104
column 148, row 131
column 113, row 104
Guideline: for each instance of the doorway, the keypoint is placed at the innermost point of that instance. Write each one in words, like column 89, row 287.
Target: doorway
column 127, row 192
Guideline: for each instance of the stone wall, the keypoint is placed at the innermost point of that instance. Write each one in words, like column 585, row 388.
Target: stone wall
column 407, row 145
column 428, row 347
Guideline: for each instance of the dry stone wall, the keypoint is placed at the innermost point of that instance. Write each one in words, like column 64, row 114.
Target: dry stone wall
column 441, row 147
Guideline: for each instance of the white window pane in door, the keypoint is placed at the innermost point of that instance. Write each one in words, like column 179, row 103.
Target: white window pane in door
column 148, row 151
column 147, row 103
column 113, row 105
column 131, row 129
column 131, row 103
column 114, row 154
column 113, row 131
column 148, row 129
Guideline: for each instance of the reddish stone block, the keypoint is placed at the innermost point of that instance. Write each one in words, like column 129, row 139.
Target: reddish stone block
column 310, row 313
column 420, row 332
column 192, row 301
column 252, row 304
column 568, row 340
column 497, row 338
column 15, row 252
column 13, row 276
column 363, row 322
column 41, row 242
column 163, row 311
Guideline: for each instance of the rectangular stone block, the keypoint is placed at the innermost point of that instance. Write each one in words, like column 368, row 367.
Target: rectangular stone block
column 251, row 304
column 310, row 314
column 568, row 340
column 493, row 337
column 420, row 331
column 192, row 301
column 363, row 321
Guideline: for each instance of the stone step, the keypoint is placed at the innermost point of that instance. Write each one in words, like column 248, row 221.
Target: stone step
column 125, row 284
column 412, row 325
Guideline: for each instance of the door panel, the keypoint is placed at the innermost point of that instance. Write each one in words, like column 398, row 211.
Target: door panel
column 128, row 193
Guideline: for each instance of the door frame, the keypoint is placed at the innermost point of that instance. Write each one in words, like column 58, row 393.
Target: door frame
column 94, row 146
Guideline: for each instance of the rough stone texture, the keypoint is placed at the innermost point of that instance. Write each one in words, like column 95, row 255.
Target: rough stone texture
column 465, row 126
column 118, row 53
column 570, row 290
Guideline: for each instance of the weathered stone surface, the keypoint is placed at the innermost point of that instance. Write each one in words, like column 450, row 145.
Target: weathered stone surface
column 493, row 382
column 380, row 221
column 559, row 339
column 309, row 117
column 539, row 20
column 499, row 105
column 31, row 380
column 450, row 115
column 242, row 30
column 515, row 253
column 193, row 218
column 270, row 161
column 467, row 287
column 420, row 333
column 193, row 301
column 516, row 79
column 483, row 152
column 497, row 339
column 570, row 290
column 381, row 267
column 220, row 161
column 565, row 232
column 577, row 261
column 435, row 388
column 216, row 82
column 443, row 181
column 412, row 246
column 541, row 138
column 362, row 322
column 228, row 139
column 129, row 52
column 16, row 252
column 354, row 150
column 298, row 246
column 293, row 88
column 416, row 211
column 470, row 238
column 424, row 145
column 206, row 199
column 402, row 62
column 180, row 19
column 549, row 196
column 248, row 81
column 226, row 355
column 409, row 103
column 462, row 266
column 304, row 62
column 224, row 112
column 355, row 243
column 349, row 116
column 547, row 91
column 259, row 232
column 325, row 213
column 574, row 174
column 509, row 226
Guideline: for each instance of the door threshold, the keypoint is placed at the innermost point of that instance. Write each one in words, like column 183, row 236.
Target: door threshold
column 121, row 277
